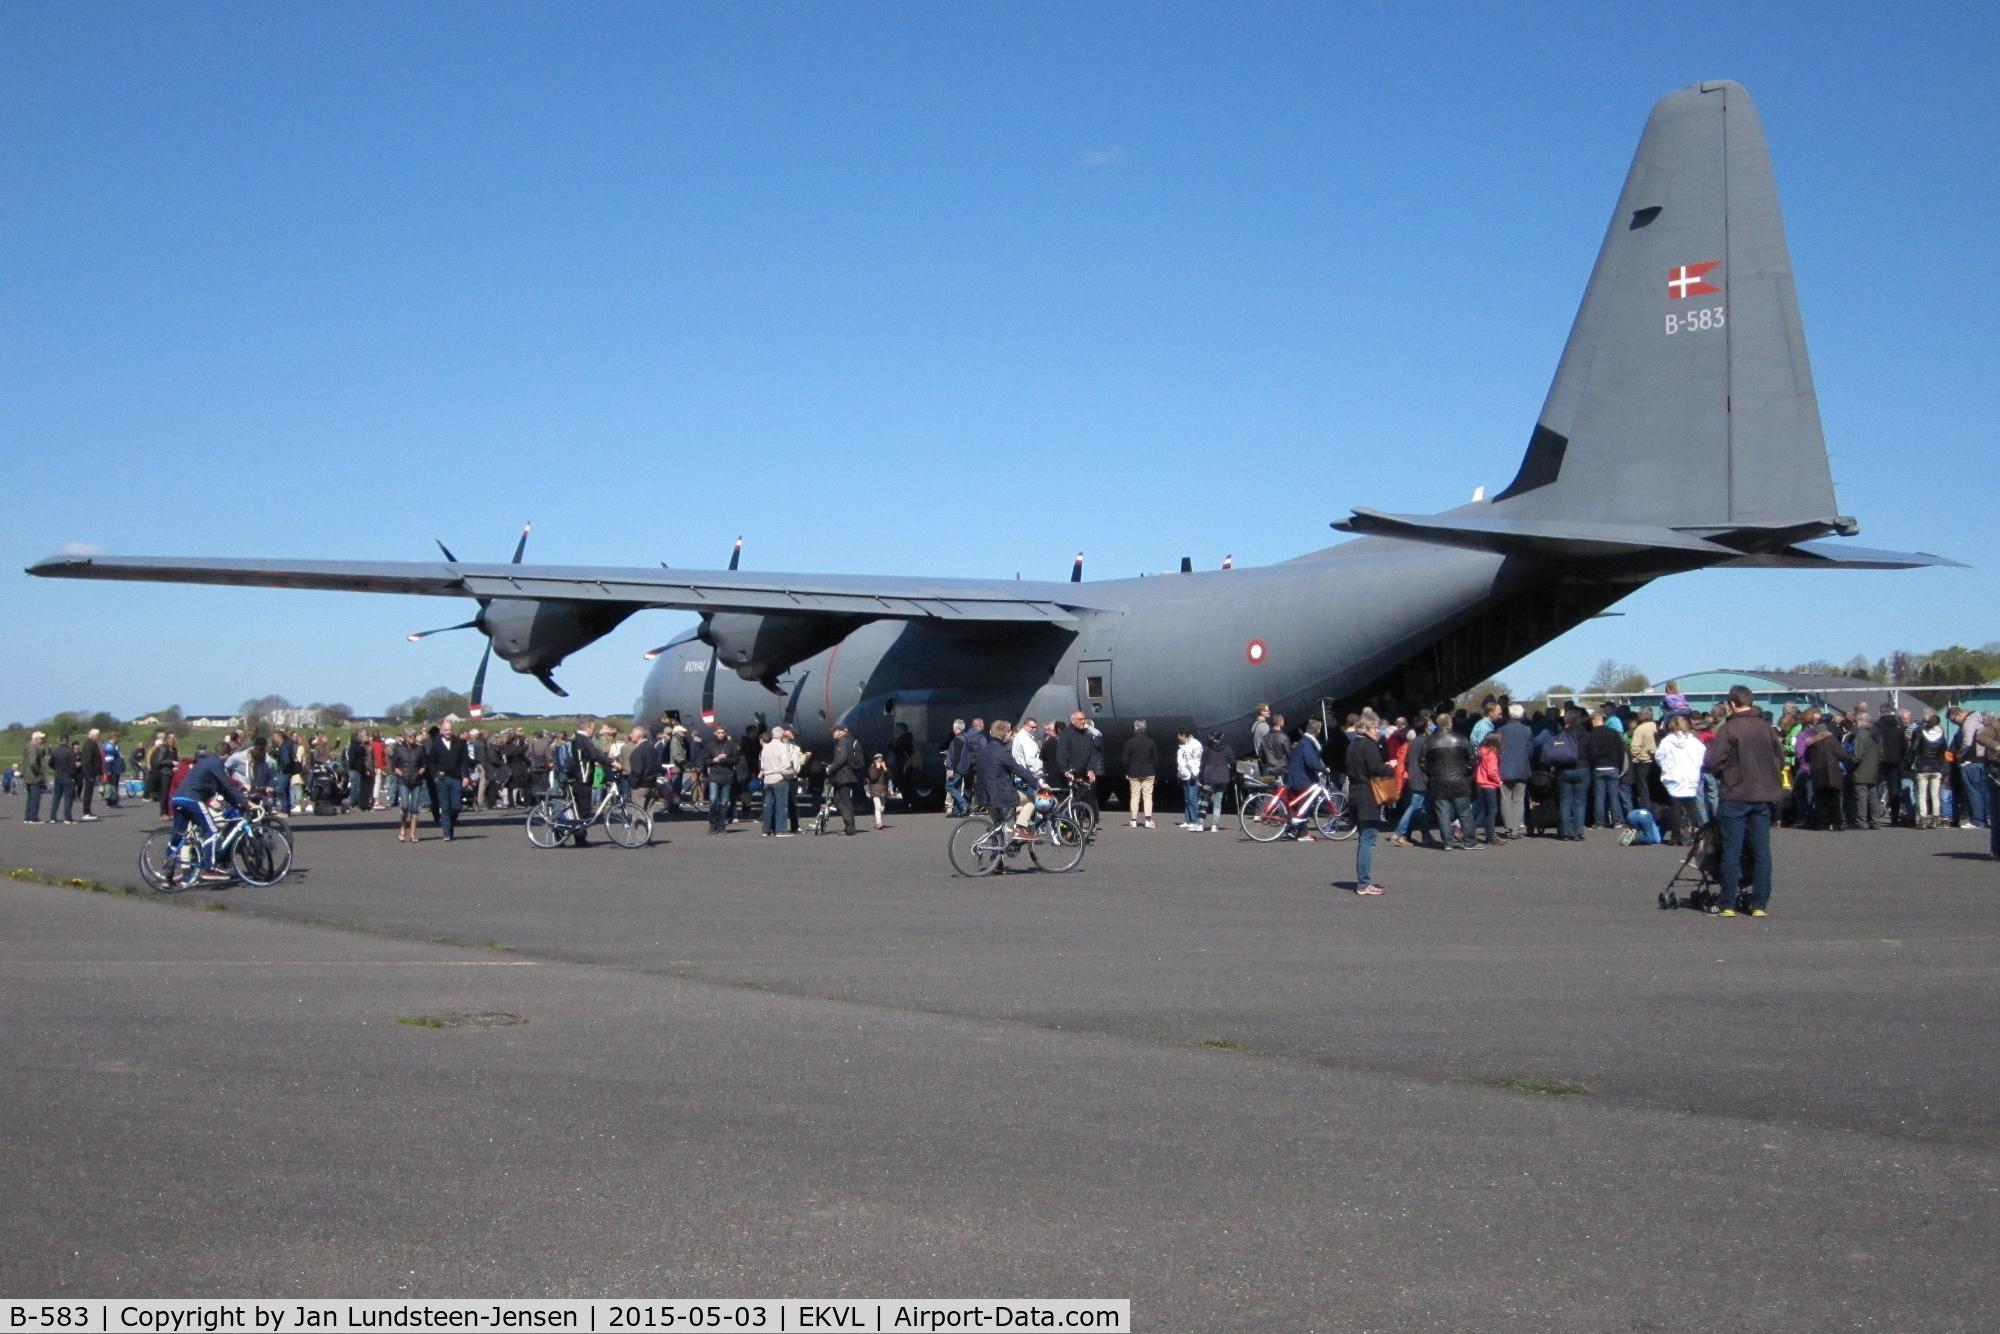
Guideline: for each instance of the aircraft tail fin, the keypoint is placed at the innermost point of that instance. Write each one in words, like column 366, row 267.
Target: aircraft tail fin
column 1684, row 397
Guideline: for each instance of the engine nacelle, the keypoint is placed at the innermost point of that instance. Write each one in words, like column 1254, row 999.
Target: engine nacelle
column 534, row 635
column 758, row 647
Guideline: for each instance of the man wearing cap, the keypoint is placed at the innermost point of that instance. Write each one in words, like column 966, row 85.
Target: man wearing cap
column 845, row 769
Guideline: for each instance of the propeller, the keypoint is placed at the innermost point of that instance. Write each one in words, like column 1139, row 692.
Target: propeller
column 478, row 696
column 708, row 681
column 1229, row 562
column 1076, row 570
column 1187, row 564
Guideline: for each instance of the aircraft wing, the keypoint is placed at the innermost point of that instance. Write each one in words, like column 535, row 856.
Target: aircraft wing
column 881, row 597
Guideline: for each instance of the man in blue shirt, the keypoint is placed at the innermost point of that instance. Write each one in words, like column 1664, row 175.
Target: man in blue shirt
column 208, row 779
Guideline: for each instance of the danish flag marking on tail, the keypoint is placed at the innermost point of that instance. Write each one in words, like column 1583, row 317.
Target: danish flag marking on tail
column 1685, row 281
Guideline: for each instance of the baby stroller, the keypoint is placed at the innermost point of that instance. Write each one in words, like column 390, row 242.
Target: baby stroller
column 1702, row 869
column 326, row 788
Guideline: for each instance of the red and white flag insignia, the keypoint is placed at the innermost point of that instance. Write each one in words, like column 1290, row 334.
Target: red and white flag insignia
column 1686, row 280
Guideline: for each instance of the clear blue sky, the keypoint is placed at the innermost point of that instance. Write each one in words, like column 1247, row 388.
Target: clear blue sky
column 946, row 288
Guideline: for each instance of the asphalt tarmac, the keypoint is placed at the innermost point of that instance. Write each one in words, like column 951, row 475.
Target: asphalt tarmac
column 1195, row 1074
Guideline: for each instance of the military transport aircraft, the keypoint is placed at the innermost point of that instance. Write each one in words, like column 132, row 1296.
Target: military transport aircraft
column 1681, row 432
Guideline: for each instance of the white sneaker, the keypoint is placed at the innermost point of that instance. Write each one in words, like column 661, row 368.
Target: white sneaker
column 1133, row 823
column 92, row 817
column 1151, row 825
column 1187, row 825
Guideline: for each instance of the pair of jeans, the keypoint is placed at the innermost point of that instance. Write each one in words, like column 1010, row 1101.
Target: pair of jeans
column 1607, row 801
column 1419, row 803
column 64, row 805
column 451, row 800
column 1928, row 787
column 1707, row 797
column 1191, row 799
column 1486, row 811
column 1449, row 809
column 357, row 790
column 954, row 795
column 1687, row 823
column 1640, row 820
column 778, row 806
column 34, row 811
column 1972, row 780
column 719, row 794
column 1745, row 822
column 1993, row 809
column 1364, row 852
column 1638, row 787
column 1215, row 804
column 1572, row 790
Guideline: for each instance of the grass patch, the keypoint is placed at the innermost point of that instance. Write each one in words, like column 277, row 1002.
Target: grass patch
column 1219, row 1044
column 214, row 905
column 499, row 946
column 420, row 1020
column 1554, row 1087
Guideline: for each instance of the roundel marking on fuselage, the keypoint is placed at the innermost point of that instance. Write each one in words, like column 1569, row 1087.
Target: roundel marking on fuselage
column 1256, row 652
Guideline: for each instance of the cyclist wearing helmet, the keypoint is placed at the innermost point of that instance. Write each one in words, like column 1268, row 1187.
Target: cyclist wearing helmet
column 208, row 778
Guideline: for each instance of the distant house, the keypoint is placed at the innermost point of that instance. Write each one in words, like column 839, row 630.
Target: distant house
column 214, row 720
column 1774, row 690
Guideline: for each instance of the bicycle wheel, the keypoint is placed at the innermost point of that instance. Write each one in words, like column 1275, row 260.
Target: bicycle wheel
column 545, row 826
column 160, row 864
column 976, row 846
column 1059, row 844
column 1084, row 813
column 1264, row 817
column 628, row 824
column 262, row 856
column 1335, row 818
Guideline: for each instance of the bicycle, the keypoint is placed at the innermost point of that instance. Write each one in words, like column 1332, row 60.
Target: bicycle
column 1267, row 815
column 1075, row 801
column 1054, row 842
column 554, row 820
column 251, row 846
column 826, row 810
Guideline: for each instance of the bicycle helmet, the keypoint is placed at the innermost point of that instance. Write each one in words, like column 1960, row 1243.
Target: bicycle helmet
column 1045, row 801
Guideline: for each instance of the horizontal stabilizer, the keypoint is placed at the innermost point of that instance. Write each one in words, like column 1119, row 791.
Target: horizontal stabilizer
column 1545, row 539
column 1841, row 556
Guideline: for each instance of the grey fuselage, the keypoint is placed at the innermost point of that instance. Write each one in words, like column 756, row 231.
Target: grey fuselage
column 1351, row 623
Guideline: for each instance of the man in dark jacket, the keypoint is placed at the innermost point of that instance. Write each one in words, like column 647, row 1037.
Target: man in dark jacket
column 580, row 754
column 1829, row 767
column 1365, row 764
column 90, row 770
column 446, row 762
column 1416, row 786
column 1447, row 761
column 1142, row 766
column 1894, row 737
column 1604, row 756
column 1517, row 763
column 723, row 760
column 62, row 764
column 845, row 769
column 1747, row 757
column 1867, row 797
column 1080, row 751
column 994, row 780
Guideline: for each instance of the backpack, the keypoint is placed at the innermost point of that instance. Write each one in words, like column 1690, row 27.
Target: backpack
column 563, row 760
column 1560, row 751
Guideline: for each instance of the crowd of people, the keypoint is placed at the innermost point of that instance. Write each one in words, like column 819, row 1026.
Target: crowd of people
column 1462, row 781
column 1457, row 780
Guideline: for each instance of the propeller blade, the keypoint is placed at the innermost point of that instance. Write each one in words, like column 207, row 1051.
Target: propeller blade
column 736, row 553
column 478, row 697
column 550, row 681
column 653, row 653
column 1229, row 562
column 1076, row 570
column 446, row 550
column 708, row 690
column 472, row 624
column 1187, row 564
column 522, row 545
